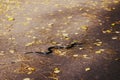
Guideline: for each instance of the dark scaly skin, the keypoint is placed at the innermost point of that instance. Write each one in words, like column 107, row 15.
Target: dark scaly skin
column 50, row 49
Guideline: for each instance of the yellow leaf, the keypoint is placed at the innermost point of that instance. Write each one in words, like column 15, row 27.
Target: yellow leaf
column 87, row 69
column 99, row 51
column 98, row 43
column 113, row 24
column 75, row 55
column 56, row 70
column 84, row 28
column 11, row 19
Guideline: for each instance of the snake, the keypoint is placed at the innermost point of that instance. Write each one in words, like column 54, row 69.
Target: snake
column 50, row 49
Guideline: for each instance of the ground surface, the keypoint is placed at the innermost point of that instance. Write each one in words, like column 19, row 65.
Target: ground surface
column 27, row 25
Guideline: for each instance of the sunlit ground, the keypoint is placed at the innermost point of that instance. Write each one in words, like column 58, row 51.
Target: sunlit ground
column 34, row 26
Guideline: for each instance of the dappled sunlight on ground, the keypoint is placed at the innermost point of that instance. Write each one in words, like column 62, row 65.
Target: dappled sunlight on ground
column 34, row 26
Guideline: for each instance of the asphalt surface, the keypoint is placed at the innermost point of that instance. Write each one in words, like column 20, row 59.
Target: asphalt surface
column 27, row 26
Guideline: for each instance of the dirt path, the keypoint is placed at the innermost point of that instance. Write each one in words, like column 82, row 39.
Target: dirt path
column 27, row 26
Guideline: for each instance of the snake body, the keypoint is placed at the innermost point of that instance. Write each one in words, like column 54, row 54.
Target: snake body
column 50, row 49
